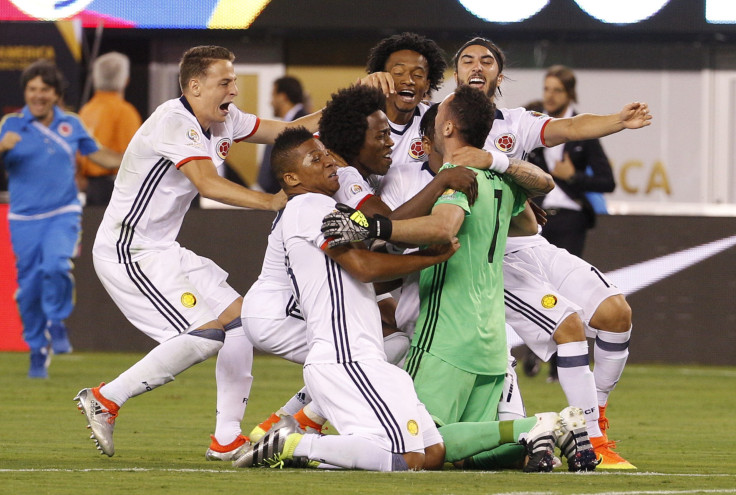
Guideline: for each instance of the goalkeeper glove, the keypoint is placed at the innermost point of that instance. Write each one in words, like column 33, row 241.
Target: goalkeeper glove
column 346, row 225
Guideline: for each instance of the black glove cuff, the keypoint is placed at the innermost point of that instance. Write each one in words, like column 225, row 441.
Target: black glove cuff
column 384, row 226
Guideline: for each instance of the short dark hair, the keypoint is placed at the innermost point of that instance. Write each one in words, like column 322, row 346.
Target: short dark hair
column 473, row 114
column 283, row 147
column 197, row 60
column 495, row 50
column 344, row 119
column 50, row 75
column 380, row 54
column 291, row 87
column 426, row 125
column 566, row 77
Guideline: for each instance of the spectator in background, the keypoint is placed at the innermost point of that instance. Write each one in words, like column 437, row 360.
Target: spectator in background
column 38, row 146
column 110, row 119
column 569, row 211
column 578, row 167
column 287, row 101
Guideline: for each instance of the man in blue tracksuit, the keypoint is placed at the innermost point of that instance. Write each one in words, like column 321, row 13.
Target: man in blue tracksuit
column 38, row 147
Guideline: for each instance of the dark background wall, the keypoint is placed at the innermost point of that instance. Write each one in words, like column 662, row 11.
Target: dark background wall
column 688, row 317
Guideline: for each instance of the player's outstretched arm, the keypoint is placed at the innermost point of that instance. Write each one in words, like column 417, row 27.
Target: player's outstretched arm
column 203, row 174
column 369, row 266
column 591, row 126
column 268, row 130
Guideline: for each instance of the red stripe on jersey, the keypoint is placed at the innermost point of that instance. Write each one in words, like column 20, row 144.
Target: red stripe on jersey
column 255, row 128
column 190, row 159
column 541, row 133
column 324, row 244
column 362, row 201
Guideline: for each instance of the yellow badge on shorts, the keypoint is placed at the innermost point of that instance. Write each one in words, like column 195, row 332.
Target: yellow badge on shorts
column 188, row 300
column 549, row 301
column 413, row 427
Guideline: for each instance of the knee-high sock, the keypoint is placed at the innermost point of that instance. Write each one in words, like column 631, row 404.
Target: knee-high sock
column 467, row 439
column 345, row 451
column 234, row 379
column 297, row 402
column 163, row 363
column 576, row 380
column 610, row 353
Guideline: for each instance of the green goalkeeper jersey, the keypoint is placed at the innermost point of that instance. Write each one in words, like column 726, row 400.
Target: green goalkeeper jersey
column 462, row 317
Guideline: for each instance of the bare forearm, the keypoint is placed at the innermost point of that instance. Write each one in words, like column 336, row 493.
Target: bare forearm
column 529, row 177
column 421, row 204
column 229, row 193
column 382, row 267
column 581, row 127
column 107, row 158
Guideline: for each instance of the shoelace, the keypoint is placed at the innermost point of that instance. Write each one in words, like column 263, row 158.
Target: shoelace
column 275, row 462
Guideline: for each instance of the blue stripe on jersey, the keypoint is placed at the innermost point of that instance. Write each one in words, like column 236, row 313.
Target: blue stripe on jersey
column 532, row 314
column 337, row 300
column 162, row 305
column 378, row 405
column 142, row 199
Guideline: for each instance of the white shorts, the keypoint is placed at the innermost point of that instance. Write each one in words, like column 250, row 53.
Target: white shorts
column 169, row 292
column 375, row 400
column 511, row 405
column 543, row 285
column 283, row 337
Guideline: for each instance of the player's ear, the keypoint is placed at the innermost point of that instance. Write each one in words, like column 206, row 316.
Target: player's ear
column 447, row 128
column 499, row 80
column 291, row 179
column 427, row 145
column 194, row 86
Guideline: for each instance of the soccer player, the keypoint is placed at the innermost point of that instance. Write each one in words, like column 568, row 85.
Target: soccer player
column 553, row 299
column 176, row 297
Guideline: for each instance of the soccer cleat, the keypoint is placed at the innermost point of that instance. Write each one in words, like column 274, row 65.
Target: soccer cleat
column 229, row 452
column 609, row 459
column 540, row 443
column 271, row 446
column 58, row 335
column 40, row 359
column 101, row 414
column 574, row 442
column 259, row 431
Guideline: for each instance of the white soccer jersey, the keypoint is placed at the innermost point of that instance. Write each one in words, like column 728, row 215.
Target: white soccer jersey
column 516, row 132
column 343, row 321
column 407, row 140
column 151, row 196
column 354, row 189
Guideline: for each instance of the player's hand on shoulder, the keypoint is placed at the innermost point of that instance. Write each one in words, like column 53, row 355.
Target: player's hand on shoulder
column 461, row 179
column 443, row 252
column 278, row 201
column 380, row 80
column 470, row 156
column 346, row 224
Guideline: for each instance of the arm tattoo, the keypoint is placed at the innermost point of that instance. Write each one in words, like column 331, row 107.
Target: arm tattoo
column 531, row 178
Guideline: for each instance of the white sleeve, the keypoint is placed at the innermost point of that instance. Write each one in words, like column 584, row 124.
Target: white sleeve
column 244, row 124
column 353, row 187
column 531, row 126
column 392, row 188
column 302, row 220
column 179, row 139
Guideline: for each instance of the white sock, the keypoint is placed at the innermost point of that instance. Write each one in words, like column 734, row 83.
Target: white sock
column 576, row 380
column 610, row 353
column 345, row 451
column 160, row 366
column 234, row 379
column 296, row 403
column 396, row 345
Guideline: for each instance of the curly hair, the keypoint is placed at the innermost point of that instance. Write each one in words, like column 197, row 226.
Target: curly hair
column 344, row 121
column 380, row 53
column 283, row 147
column 473, row 113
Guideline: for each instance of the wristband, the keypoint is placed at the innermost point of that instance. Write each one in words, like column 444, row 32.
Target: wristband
column 383, row 227
column 500, row 162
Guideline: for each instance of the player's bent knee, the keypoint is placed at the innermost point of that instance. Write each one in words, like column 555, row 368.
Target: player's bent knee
column 571, row 329
column 396, row 345
column 613, row 315
column 434, row 457
column 208, row 341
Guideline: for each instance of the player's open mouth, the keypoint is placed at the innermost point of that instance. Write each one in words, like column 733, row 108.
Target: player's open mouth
column 406, row 95
column 476, row 82
column 224, row 107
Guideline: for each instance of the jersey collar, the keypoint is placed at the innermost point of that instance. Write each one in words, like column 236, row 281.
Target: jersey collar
column 401, row 132
column 183, row 100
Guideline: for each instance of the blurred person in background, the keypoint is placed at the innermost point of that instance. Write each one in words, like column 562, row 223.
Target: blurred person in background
column 38, row 146
column 111, row 120
column 287, row 100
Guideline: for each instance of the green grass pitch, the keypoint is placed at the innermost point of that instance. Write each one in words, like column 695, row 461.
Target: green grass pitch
column 676, row 423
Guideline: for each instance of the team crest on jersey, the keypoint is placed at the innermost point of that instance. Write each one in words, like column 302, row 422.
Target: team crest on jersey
column 356, row 188
column 193, row 135
column 537, row 114
column 64, row 129
column 549, row 301
column 223, row 147
column 188, row 300
column 448, row 192
column 506, row 142
column 412, row 427
column 416, row 150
